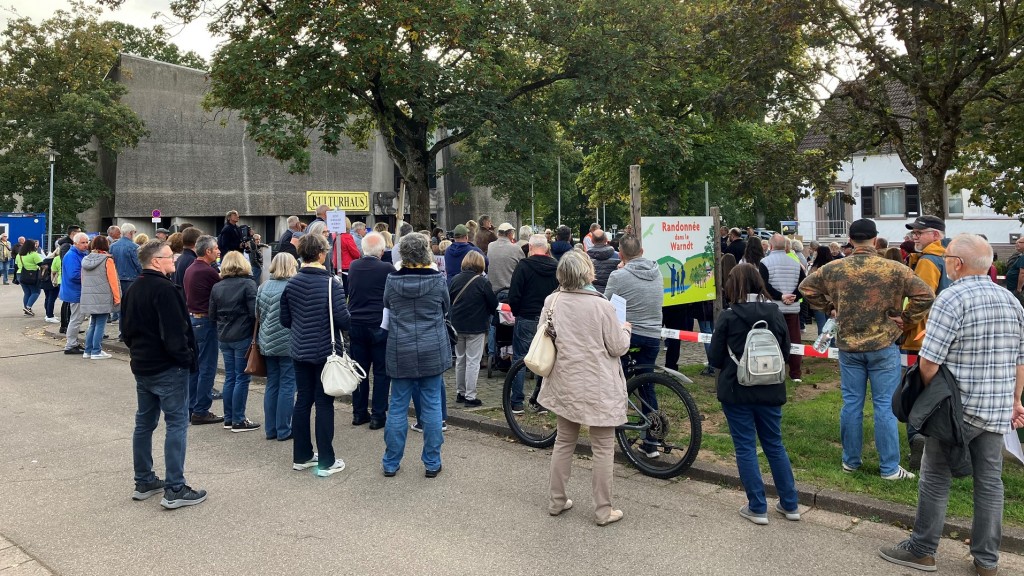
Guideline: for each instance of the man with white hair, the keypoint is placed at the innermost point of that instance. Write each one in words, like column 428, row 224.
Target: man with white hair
column 125, row 253
column 71, row 289
column 367, row 277
column 782, row 275
column 358, row 231
column 532, row 282
column 294, row 225
column 975, row 329
column 588, row 240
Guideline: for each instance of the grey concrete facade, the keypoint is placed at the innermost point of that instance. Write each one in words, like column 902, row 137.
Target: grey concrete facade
column 196, row 165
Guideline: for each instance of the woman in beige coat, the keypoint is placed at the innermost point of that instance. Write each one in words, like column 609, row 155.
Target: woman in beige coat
column 586, row 385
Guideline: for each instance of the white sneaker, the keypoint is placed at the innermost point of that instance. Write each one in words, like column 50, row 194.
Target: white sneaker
column 86, row 355
column 52, row 320
column 338, row 466
column 307, row 464
column 101, row 356
column 900, row 474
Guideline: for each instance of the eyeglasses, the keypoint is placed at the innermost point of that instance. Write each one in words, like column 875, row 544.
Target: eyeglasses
column 921, row 232
column 954, row 256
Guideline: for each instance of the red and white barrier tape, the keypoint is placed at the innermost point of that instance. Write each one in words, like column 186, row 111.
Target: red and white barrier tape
column 801, row 349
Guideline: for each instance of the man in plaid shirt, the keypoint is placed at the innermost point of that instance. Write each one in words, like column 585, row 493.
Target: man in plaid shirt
column 976, row 329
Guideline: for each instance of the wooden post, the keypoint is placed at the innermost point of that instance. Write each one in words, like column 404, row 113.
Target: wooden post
column 400, row 205
column 716, row 222
column 634, row 200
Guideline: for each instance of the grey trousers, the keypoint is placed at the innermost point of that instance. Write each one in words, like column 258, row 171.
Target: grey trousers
column 468, row 350
column 986, row 450
column 73, row 325
column 602, row 441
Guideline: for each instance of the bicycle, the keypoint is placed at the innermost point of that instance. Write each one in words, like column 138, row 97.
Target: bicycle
column 662, row 433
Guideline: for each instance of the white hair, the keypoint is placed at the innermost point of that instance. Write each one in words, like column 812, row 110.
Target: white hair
column 128, row 229
column 538, row 242
column 373, row 244
column 974, row 250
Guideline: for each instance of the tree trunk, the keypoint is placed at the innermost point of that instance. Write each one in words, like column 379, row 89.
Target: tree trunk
column 932, row 187
column 759, row 217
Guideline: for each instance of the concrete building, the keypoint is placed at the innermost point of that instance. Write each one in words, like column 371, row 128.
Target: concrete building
column 195, row 166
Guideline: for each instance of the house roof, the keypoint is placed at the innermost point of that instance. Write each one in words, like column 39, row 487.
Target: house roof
column 833, row 121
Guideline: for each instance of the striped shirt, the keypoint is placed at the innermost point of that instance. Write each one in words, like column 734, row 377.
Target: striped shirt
column 976, row 328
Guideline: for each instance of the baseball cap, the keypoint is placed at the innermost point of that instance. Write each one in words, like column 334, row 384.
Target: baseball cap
column 164, row 230
column 847, row 245
column 460, row 230
column 863, row 229
column 505, row 226
column 927, row 221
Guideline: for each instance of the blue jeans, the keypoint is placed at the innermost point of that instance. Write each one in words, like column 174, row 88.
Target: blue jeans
column 94, row 334
column 522, row 336
column 200, row 384
column 417, row 398
column 986, row 450
column 369, row 348
column 397, row 428
column 50, row 300
column 882, row 367
column 5, row 269
column 647, row 354
column 749, row 423
column 279, row 397
column 236, row 381
column 31, row 294
column 310, row 392
column 167, row 392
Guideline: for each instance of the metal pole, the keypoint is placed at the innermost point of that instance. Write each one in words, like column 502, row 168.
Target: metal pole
column 707, row 201
column 559, row 190
column 604, row 215
column 49, row 215
column 533, row 206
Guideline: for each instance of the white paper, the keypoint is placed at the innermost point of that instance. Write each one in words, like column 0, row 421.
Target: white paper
column 1012, row 442
column 620, row 307
column 336, row 221
column 386, row 318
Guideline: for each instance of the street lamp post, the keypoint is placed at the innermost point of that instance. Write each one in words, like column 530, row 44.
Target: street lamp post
column 52, row 154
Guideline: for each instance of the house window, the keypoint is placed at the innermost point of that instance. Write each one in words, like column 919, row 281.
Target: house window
column 955, row 203
column 891, row 201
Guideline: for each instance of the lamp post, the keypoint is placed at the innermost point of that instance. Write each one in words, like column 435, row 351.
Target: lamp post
column 52, row 155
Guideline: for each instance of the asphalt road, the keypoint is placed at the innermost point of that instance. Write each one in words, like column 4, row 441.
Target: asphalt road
column 66, row 480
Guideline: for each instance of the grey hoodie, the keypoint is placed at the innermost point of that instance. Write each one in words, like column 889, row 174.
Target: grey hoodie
column 640, row 283
column 97, row 295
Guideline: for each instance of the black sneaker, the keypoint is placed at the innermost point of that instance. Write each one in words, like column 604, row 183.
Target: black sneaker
column 474, row 403
column 517, row 408
column 184, row 496
column 216, row 394
column 433, row 473
column 74, row 350
column 244, row 426
column 144, row 490
column 208, row 418
column 460, row 398
column 538, row 408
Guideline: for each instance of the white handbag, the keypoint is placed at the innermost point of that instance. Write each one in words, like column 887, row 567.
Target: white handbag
column 540, row 359
column 341, row 375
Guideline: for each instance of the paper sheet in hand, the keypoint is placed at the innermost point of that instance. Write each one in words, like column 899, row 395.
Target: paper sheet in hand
column 385, row 319
column 1012, row 442
column 620, row 307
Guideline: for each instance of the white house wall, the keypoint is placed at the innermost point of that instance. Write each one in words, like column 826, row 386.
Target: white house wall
column 871, row 170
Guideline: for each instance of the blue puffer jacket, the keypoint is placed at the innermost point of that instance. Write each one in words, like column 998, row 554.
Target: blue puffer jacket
column 417, row 300
column 303, row 307
column 274, row 339
column 71, row 276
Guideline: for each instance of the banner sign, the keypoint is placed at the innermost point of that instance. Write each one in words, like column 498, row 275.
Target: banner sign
column 347, row 201
column 684, row 248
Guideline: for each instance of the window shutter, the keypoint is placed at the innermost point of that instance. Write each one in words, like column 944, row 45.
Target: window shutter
column 867, row 201
column 913, row 200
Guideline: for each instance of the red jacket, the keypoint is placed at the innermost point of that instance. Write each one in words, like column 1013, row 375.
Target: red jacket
column 349, row 251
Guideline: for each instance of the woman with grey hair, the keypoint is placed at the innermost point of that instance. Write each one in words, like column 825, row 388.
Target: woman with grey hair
column 319, row 228
column 275, row 344
column 586, row 386
column 418, row 353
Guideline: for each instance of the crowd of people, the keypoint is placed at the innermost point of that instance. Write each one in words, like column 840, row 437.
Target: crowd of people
column 185, row 299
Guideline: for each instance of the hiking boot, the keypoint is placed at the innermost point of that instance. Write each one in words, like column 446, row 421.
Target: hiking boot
column 985, row 571
column 916, row 452
column 244, row 426
column 144, row 490
column 794, row 515
column 759, row 519
column 208, row 418
column 184, row 496
column 902, row 555
column 338, row 466
column 900, row 474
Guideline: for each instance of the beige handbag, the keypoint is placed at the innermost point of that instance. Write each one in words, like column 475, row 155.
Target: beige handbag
column 540, row 359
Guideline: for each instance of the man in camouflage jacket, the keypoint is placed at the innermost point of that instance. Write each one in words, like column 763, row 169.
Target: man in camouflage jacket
column 865, row 294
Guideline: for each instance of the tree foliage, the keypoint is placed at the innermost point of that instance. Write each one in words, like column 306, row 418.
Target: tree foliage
column 54, row 94
column 926, row 67
column 153, row 43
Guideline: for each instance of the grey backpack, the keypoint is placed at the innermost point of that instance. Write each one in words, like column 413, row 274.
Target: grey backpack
column 762, row 363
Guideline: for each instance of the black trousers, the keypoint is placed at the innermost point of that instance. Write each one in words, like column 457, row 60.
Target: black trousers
column 65, row 316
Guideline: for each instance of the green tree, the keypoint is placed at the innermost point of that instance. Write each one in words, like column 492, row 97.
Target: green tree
column 151, row 43
column 303, row 70
column 54, row 94
column 923, row 67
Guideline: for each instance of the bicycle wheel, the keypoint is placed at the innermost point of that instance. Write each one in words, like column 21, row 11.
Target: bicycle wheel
column 670, row 444
column 532, row 425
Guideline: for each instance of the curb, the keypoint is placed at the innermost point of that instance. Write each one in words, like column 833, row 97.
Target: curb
column 809, row 495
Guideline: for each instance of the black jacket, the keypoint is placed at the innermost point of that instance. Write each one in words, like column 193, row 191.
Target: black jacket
column 736, row 248
column 937, row 412
column 156, row 326
column 473, row 312
column 366, row 279
column 532, row 282
column 605, row 262
column 230, row 238
column 304, row 312
column 233, row 306
column 731, row 331
column 188, row 256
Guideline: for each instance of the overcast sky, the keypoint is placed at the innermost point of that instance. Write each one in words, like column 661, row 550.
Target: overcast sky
column 137, row 12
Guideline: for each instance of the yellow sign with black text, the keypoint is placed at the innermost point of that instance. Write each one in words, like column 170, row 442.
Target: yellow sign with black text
column 351, row 202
